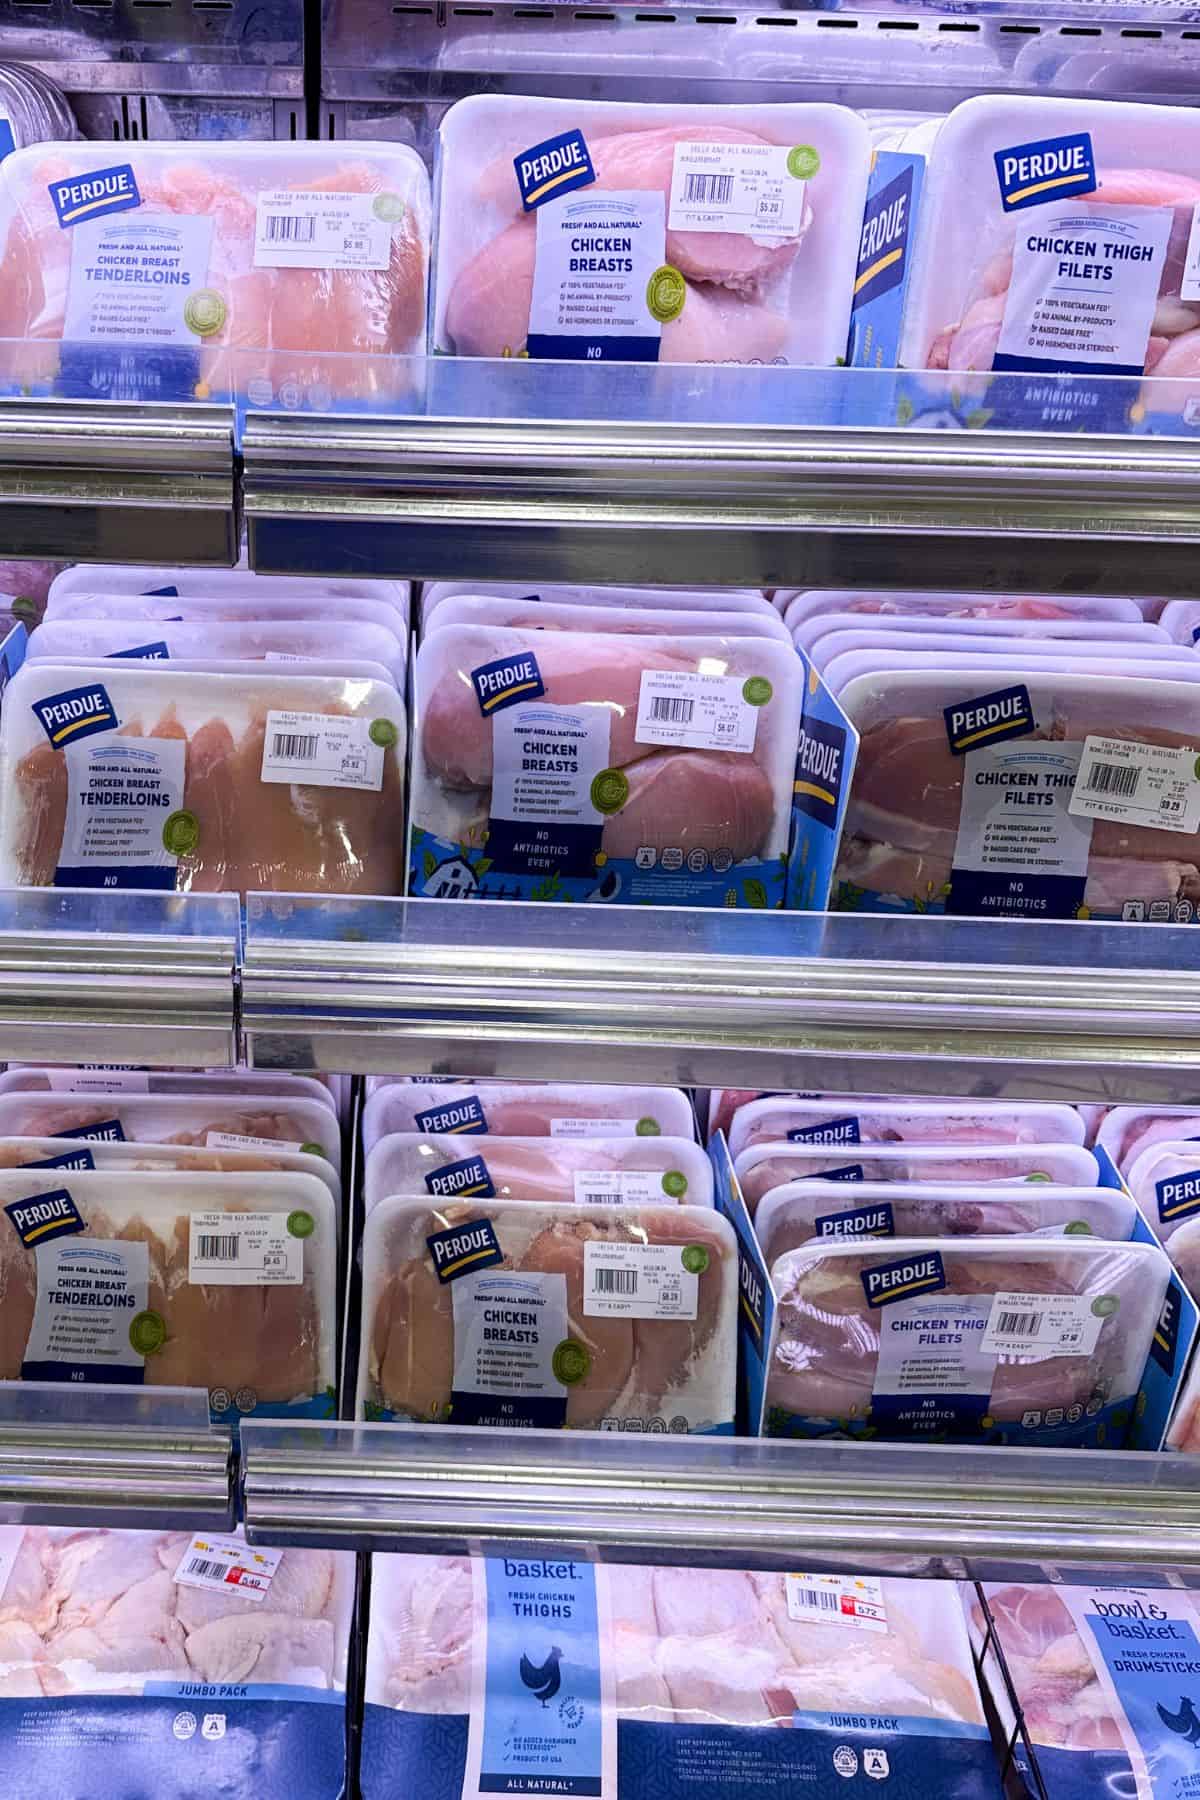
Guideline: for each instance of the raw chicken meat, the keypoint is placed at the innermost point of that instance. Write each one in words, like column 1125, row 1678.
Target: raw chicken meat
column 170, row 1119
column 264, row 1647
column 552, row 1170
column 845, row 1121
column 526, row 1109
column 20, row 1152
column 1054, row 1667
column 1128, row 1131
column 765, row 1168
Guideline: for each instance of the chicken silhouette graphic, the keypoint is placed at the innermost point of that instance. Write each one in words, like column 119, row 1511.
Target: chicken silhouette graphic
column 1184, row 1722
column 546, row 1680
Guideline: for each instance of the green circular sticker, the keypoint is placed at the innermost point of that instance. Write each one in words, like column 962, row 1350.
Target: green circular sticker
column 300, row 1224
column 205, row 312
column 1037, row 1175
column 147, row 1333
column 1077, row 1228
column 23, row 607
column 648, row 1128
column 803, row 162
column 383, row 733
column 313, row 1149
column 1105, row 1305
column 1195, row 765
column 570, row 1362
column 181, row 833
column 757, row 690
column 666, row 292
column 695, row 1259
column 609, row 791
column 388, row 207
column 674, row 1182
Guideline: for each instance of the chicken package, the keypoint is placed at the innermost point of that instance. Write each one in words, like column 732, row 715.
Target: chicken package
column 29, row 583
column 761, row 1168
column 739, row 600
column 1126, row 1131
column 525, row 1109
column 283, row 641
column 592, row 1171
column 810, row 605
column 801, row 1210
column 177, row 1663
column 573, row 766
column 996, row 1340
column 37, row 1078
column 1054, row 238
column 534, row 614
column 221, row 1282
column 1101, row 1676
column 1165, row 1181
column 216, row 1122
column 1057, row 796
column 513, row 1314
column 105, row 1153
column 1181, row 621
column 146, row 777
column 564, row 1675
column 850, row 1119
column 208, row 258
column 141, row 578
column 212, row 608
column 828, row 639
column 1162, row 663
column 646, row 232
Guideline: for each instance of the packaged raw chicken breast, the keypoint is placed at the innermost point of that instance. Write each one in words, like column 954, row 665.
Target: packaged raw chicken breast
column 232, row 607
column 1126, row 1131
column 841, row 632
column 593, row 1171
column 526, row 1109
column 647, row 233
column 804, row 607
column 218, row 1122
column 534, row 614
column 573, row 766
column 35, row 1078
column 995, row 1340
column 687, row 1674
column 173, row 1279
column 506, row 1313
column 218, row 263
column 434, row 594
column 283, row 641
column 1055, row 238
column 1162, row 663
column 1164, row 1179
column 139, row 578
column 139, row 776
column 763, row 1167
column 112, row 1637
column 1023, row 795
column 801, row 1210
column 850, row 1119
column 105, row 1153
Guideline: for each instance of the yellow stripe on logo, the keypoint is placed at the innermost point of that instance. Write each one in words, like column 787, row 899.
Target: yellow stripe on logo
column 1055, row 181
column 65, row 731
column 41, row 1230
column 555, row 181
column 877, row 268
column 818, row 793
column 991, row 730
column 464, row 1262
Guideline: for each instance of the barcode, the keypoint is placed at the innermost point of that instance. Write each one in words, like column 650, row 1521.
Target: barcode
column 709, row 190
column 820, row 1598
column 1014, row 1324
column 675, row 712
column 211, row 1247
column 1120, row 779
column 294, row 746
column 290, row 228
column 205, row 1567
column 616, row 1281
column 602, row 1199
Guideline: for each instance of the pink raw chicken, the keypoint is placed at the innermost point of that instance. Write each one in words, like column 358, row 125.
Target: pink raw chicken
column 1053, row 1675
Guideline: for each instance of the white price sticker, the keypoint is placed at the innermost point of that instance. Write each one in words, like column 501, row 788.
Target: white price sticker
column 685, row 710
column 757, row 190
column 98, row 1081
column 325, row 750
column 1189, row 287
column 855, row 1600
column 642, row 1281
column 1046, row 1324
column 1138, row 784
column 247, row 1249
column 628, row 1187
column 225, row 1563
column 586, row 1128
column 296, row 228
column 233, row 1140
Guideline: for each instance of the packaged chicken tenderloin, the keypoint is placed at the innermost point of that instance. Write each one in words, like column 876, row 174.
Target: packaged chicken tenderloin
column 647, row 233
column 593, row 1171
column 1125, row 1131
column 997, row 1340
column 136, row 578
column 569, row 766
column 202, row 269
column 109, row 1153
column 35, row 1078
column 285, row 641
column 173, row 1279
column 508, row 1313
column 740, row 600
column 844, row 1120
column 218, row 1122
column 533, row 614
column 144, row 777
column 763, row 1167
column 1049, row 797
column 811, row 604
column 800, row 1211
column 526, row 1109
column 183, row 1649
column 807, row 1678
column 841, row 632
column 209, row 610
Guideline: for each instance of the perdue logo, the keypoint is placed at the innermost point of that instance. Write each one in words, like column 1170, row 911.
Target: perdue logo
column 884, row 239
column 457, row 1116
column 753, row 1297
column 890, row 1281
column 829, row 1131
column 1052, row 169
column 989, row 719
column 463, row 1249
column 108, row 1131
column 863, row 1221
column 70, row 1159
column 820, row 762
column 507, row 681
column 555, row 167
column 1178, row 1196
column 75, row 713
column 46, row 1216
column 91, row 196
column 466, row 1180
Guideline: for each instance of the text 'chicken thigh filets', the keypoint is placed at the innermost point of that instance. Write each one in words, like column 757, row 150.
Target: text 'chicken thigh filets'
column 526, row 1109
column 510, row 1313
column 216, row 1122
column 134, row 775
column 559, row 1171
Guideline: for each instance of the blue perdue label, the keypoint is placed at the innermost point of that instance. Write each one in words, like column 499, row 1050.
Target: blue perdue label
column 886, row 1282
column 988, row 718
column 752, row 1294
column 80, row 197
column 507, row 681
column 843, row 1172
column 1178, row 1196
column 455, row 1116
column 1055, row 168
column 553, row 167
column 463, row 1249
column 829, row 1131
column 860, row 1221
column 884, row 239
column 106, row 1131
column 44, row 1217
column 820, row 762
column 70, row 1159
column 155, row 652
column 465, row 1180
column 75, row 713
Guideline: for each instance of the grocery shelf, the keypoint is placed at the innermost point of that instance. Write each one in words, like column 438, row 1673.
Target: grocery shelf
column 915, row 1510
column 719, row 998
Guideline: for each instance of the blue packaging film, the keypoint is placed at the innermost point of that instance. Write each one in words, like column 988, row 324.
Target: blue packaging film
column 825, row 761
column 881, row 281
column 756, row 1298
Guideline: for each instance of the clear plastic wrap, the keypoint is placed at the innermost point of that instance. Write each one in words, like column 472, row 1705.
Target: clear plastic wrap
column 1164, row 1179
column 103, row 1153
column 1126, row 1131
column 739, row 600
column 880, row 662
column 35, row 1078
column 533, row 614
column 596, row 1171
column 220, row 1122
column 290, row 641
column 217, row 584
column 848, row 1119
column 526, row 1109
column 762, row 1167
column 215, row 605
column 829, row 637
column 915, row 603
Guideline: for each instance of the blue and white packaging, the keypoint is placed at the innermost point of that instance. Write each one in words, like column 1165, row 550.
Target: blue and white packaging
column 756, row 1296
column 764, row 1167
column 551, row 1109
column 885, row 258
column 843, row 1122
column 820, row 794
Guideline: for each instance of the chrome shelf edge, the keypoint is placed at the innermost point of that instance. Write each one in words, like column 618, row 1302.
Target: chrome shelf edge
column 135, row 1478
